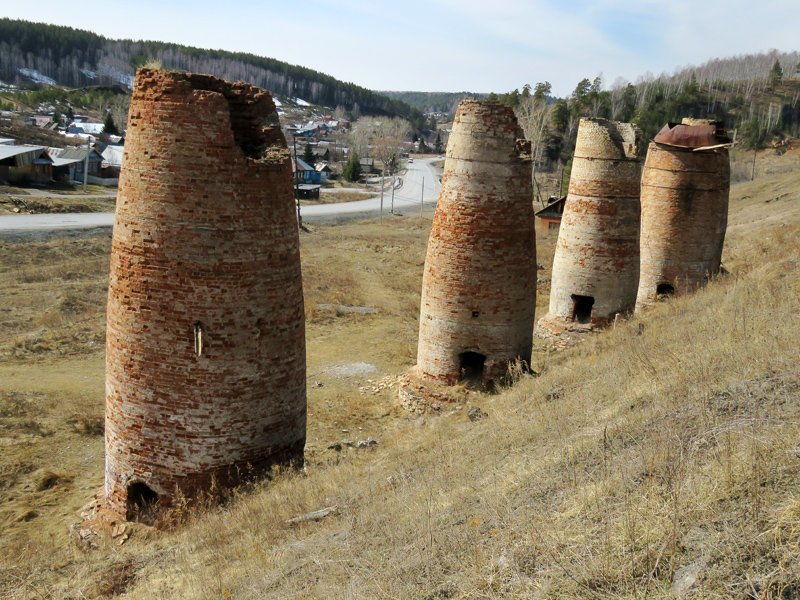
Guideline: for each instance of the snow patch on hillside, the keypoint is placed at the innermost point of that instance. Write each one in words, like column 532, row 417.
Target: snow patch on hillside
column 115, row 74
column 36, row 76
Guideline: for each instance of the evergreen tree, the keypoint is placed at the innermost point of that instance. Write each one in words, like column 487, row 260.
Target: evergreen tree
column 542, row 90
column 775, row 73
column 109, row 127
column 352, row 169
column 423, row 147
column 308, row 154
column 438, row 145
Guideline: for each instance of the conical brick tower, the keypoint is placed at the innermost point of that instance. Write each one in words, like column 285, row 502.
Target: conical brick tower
column 685, row 188
column 479, row 283
column 205, row 355
column 596, row 262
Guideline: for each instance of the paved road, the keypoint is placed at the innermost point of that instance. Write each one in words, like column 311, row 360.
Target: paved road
column 49, row 222
column 407, row 198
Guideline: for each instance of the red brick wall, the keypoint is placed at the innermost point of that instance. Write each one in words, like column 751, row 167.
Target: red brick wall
column 597, row 253
column 205, row 237
column 684, row 218
column 479, row 283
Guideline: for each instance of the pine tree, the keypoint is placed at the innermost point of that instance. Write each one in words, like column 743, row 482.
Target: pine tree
column 775, row 73
column 308, row 155
column 438, row 145
column 352, row 169
column 109, row 127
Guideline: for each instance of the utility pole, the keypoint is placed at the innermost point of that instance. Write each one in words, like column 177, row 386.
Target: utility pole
column 86, row 163
column 393, row 179
column 422, row 197
column 296, row 170
column 383, row 170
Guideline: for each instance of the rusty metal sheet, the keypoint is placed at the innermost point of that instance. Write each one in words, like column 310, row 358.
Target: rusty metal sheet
column 685, row 135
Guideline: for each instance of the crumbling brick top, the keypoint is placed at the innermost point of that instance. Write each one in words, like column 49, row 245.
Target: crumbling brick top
column 254, row 119
column 608, row 140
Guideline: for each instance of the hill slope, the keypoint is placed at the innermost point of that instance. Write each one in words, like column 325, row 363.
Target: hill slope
column 661, row 454
column 442, row 102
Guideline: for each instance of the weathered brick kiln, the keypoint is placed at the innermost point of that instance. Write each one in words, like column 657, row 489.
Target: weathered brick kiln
column 596, row 262
column 685, row 189
column 205, row 355
column 479, row 283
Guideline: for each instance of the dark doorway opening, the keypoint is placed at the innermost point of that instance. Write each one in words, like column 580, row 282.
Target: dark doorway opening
column 664, row 290
column 582, row 308
column 471, row 367
column 141, row 503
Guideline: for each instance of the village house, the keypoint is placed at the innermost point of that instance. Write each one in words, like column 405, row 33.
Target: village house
column 40, row 120
column 548, row 219
column 25, row 164
column 112, row 159
column 324, row 170
column 305, row 173
column 367, row 164
column 68, row 163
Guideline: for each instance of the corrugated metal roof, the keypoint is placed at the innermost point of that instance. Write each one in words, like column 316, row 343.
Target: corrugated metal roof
column 23, row 155
column 303, row 165
column 74, row 153
column 554, row 209
column 112, row 155
column 60, row 162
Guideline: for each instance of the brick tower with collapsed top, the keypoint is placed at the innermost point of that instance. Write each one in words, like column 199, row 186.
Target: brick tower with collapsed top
column 596, row 262
column 205, row 353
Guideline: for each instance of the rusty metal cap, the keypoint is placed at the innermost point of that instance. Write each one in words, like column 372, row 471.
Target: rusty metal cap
column 693, row 133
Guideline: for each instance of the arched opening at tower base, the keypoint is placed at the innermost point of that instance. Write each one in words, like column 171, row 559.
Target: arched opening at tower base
column 471, row 365
column 582, row 308
column 664, row 290
column 141, row 503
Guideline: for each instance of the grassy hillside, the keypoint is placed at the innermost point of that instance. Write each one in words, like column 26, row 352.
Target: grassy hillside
column 659, row 455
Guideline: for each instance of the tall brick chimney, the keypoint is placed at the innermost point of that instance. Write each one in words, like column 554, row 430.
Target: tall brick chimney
column 205, row 354
column 596, row 262
column 685, row 188
column 479, row 283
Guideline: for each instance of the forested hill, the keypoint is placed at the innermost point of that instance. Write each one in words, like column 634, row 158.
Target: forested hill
column 76, row 58
column 440, row 102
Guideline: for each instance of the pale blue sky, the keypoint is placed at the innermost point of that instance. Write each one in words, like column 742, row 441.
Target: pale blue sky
column 450, row 45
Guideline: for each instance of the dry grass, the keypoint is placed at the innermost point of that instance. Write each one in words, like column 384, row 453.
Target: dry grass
column 668, row 445
column 336, row 197
column 57, row 198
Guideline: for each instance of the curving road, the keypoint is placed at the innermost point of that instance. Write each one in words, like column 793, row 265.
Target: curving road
column 406, row 198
